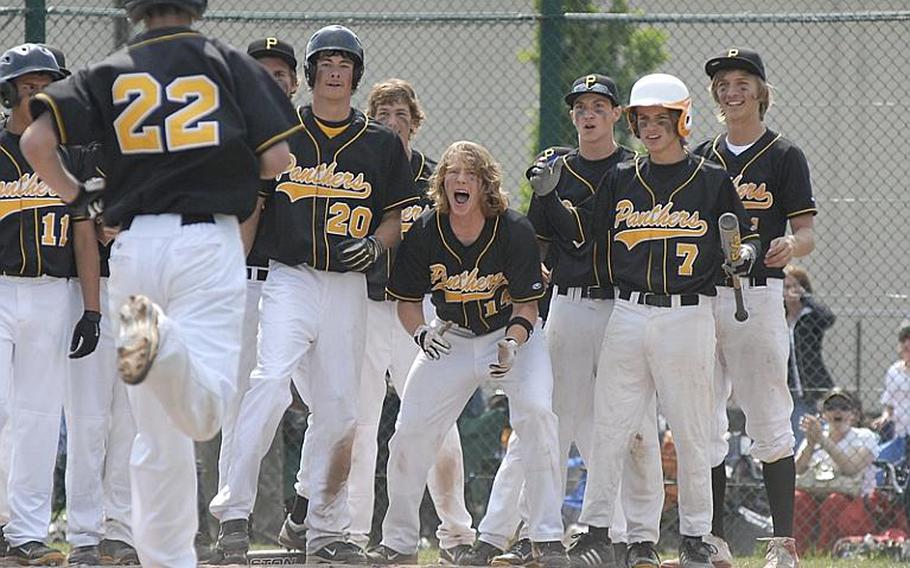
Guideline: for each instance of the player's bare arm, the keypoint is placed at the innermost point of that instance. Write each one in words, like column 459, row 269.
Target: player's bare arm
column 88, row 263
column 799, row 243
column 526, row 311
column 274, row 160
column 39, row 146
column 389, row 230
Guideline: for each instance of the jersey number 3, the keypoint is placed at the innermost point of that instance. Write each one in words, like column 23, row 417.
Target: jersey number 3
column 184, row 129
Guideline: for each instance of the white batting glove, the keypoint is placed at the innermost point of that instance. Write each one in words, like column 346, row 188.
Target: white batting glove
column 89, row 202
column 544, row 175
column 743, row 265
column 431, row 341
column 507, row 351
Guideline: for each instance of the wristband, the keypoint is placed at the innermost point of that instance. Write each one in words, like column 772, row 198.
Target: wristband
column 523, row 322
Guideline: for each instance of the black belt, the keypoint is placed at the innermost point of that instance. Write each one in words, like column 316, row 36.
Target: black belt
column 754, row 282
column 592, row 292
column 257, row 273
column 185, row 219
column 659, row 300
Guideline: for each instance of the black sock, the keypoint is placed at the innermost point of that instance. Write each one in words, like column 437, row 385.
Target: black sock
column 719, row 494
column 298, row 512
column 780, row 484
column 600, row 533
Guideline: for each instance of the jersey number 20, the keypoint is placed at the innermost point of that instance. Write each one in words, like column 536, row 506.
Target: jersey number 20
column 184, row 129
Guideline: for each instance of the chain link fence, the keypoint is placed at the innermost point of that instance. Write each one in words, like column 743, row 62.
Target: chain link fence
column 496, row 75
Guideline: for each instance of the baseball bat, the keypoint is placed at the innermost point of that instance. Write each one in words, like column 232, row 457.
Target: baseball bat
column 730, row 243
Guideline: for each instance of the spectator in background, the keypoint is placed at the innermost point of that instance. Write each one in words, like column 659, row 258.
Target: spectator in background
column 835, row 449
column 808, row 319
column 895, row 418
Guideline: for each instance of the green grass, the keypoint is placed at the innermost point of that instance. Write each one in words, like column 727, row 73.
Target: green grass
column 431, row 555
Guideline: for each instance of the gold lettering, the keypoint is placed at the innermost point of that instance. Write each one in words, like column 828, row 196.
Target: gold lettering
column 658, row 223
column 753, row 196
column 270, row 42
column 322, row 181
column 590, row 80
column 467, row 286
column 732, row 52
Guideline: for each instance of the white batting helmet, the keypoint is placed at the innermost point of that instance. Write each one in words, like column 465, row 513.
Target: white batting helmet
column 667, row 91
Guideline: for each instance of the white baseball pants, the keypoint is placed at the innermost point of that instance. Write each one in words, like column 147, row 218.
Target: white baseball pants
column 195, row 274
column 34, row 336
column 669, row 351
column 752, row 364
column 316, row 319
column 99, row 435
column 390, row 348
column 229, row 439
column 434, row 396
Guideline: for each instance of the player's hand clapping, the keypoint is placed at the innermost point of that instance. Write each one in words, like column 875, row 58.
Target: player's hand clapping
column 507, row 349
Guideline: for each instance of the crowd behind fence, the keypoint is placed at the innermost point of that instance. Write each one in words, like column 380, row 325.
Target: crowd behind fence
column 839, row 93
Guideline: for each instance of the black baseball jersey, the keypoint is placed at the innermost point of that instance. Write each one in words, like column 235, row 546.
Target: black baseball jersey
column 573, row 264
column 772, row 179
column 334, row 189
column 378, row 274
column 473, row 286
column 181, row 118
column 662, row 222
column 36, row 228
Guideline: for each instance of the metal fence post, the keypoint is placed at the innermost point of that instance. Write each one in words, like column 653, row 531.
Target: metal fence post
column 551, row 30
column 35, row 20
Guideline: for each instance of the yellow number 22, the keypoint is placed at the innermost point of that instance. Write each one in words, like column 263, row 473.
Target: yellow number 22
column 184, row 129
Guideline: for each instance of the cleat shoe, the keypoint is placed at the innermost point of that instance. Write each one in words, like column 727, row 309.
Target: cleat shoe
column 382, row 554
column 137, row 344
column 118, row 553
column 453, row 556
column 722, row 557
column 233, row 542
column 480, row 554
column 35, row 553
column 550, row 554
column 339, row 552
column 520, row 554
column 89, row 555
column 781, row 552
column 621, row 554
column 587, row 551
column 292, row 536
column 695, row 553
column 643, row 555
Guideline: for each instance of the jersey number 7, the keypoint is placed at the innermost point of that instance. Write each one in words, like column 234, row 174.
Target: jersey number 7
column 184, row 129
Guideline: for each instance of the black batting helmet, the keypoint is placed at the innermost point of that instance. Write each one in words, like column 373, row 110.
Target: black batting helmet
column 135, row 9
column 333, row 38
column 22, row 60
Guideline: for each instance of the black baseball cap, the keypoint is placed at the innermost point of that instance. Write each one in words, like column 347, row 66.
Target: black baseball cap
column 60, row 57
column 737, row 58
column 839, row 393
column 273, row 47
column 593, row 83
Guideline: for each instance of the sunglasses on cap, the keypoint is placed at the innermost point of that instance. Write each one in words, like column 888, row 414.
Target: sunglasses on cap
column 837, row 404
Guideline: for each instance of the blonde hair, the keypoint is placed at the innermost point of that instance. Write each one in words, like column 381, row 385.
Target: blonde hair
column 393, row 91
column 479, row 160
column 764, row 94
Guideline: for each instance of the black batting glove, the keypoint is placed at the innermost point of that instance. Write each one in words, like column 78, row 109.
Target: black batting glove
column 88, row 203
column 85, row 335
column 359, row 254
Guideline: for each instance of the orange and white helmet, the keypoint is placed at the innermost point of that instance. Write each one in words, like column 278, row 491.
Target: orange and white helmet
column 667, row 91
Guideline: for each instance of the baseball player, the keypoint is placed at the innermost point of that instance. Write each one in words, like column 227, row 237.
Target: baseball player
column 579, row 311
column 332, row 213
column 480, row 262
column 279, row 59
column 771, row 176
column 390, row 349
column 188, row 127
column 661, row 212
column 41, row 244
